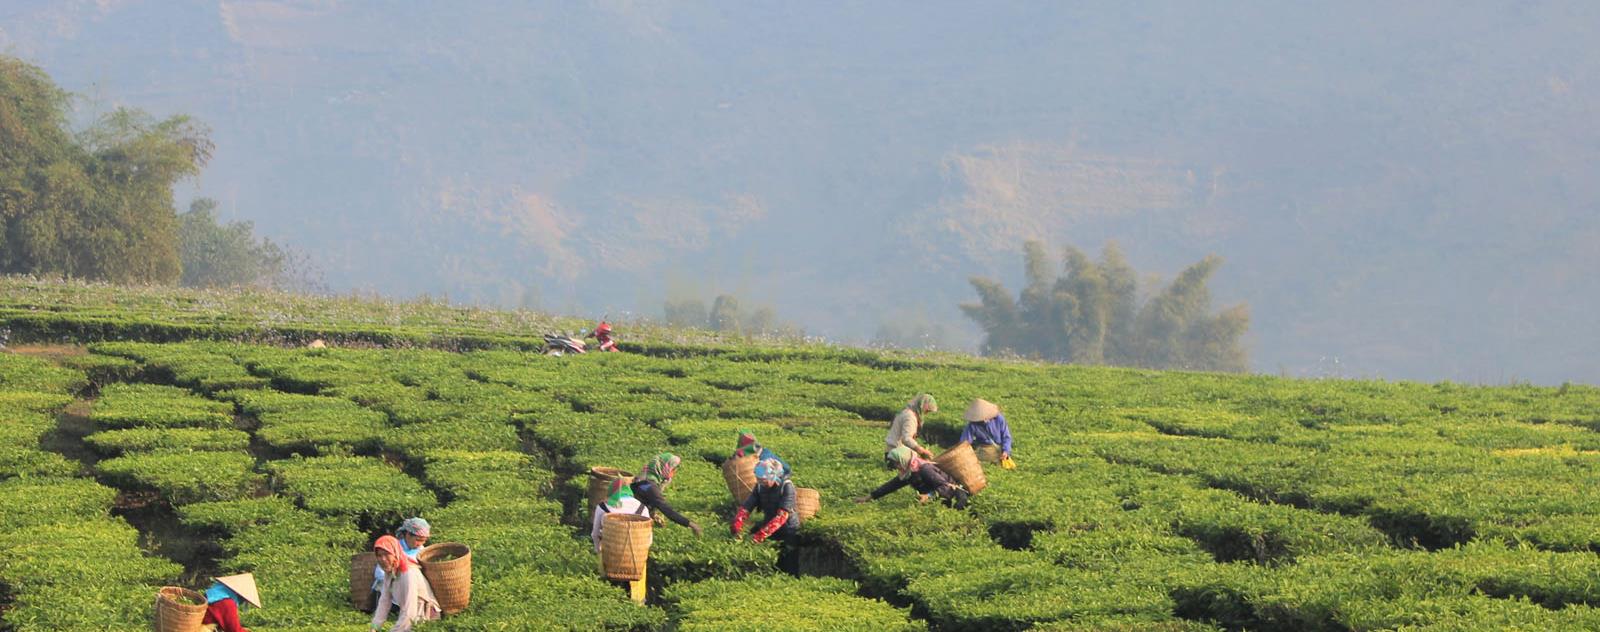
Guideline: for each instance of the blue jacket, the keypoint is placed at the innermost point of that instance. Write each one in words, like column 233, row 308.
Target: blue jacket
column 995, row 431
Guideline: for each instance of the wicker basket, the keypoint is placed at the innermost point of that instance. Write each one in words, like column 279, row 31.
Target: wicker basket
column 625, row 546
column 740, row 474
column 448, row 568
column 600, row 479
column 807, row 501
column 361, row 578
column 176, row 610
column 961, row 463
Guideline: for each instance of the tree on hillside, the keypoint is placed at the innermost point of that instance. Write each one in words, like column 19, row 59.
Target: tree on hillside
column 1090, row 314
column 97, row 204
column 725, row 316
column 224, row 255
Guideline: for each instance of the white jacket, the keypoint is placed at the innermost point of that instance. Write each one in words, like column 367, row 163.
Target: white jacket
column 410, row 591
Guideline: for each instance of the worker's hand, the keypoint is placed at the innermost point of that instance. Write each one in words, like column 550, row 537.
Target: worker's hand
column 922, row 498
column 925, row 453
column 863, row 499
column 695, row 527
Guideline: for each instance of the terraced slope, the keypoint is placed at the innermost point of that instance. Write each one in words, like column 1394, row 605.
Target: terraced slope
column 1143, row 500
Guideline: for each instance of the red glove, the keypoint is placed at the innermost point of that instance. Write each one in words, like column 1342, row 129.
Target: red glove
column 738, row 521
column 772, row 526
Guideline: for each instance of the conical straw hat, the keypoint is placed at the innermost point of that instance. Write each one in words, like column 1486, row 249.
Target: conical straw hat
column 980, row 410
column 245, row 585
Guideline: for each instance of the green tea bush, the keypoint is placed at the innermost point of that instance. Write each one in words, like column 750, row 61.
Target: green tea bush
column 155, row 406
column 808, row 603
column 542, row 601
column 22, row 373
column 114, row 442
column 183, row 477
column 360, row 488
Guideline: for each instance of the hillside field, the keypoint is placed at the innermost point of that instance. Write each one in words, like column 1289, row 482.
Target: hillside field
column 151, row 437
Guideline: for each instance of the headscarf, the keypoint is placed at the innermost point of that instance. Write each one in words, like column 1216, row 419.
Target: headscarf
column 392, row 546
column 661, row 468
column 747, row 444
column 414, row 526
column 906, row 461
column 769, row 471
column 923, row 404
column 620, row 489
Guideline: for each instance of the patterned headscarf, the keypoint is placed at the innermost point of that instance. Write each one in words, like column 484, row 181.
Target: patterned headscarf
column 923, row 404
column 414, row 526
column 747, row 444
column 906, row 461
column 391, row 545
column 620, row 489
column 661, row 468
column 769, row 471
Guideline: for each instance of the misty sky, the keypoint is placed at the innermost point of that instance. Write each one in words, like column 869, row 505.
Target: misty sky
column 1399, row 191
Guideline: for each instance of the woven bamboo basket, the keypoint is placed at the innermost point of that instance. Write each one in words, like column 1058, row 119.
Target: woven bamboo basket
column 961, row 463
column 600, row 484
column 807, row 501
column 448, row 568
column 179, row 610
column 625, row 546
column 740, row 474
column 361, row 577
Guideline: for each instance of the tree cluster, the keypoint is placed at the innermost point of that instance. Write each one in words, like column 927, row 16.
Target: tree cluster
column 1090, row 313
column 725, row 316
column 98, row 203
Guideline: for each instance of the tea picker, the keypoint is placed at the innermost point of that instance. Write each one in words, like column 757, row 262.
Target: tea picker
column 413, row 535
column 922, row 475
column 775, row 494
column 403, row 587
column 988, row 433
column 903, row 430
column 223, row 599
column 620, row 503
column 602, row 337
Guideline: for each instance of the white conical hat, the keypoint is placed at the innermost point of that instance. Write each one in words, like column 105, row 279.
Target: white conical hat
column 245, row 585
column 980, row 410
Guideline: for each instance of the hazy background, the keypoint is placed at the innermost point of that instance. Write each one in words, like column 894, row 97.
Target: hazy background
column 1400, row 190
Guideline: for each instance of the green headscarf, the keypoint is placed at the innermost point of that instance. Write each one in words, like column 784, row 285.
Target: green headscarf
column 620, row 489
column 923, row 404
column 661, row 468
column 747, row 444
column 905, row 460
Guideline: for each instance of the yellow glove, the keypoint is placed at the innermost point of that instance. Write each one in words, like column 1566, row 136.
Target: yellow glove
column 1007, row 463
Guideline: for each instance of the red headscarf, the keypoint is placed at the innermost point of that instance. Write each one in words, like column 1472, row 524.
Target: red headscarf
column 392, row 546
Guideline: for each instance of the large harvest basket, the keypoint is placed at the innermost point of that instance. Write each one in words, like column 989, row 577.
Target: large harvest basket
column 448, row 568
column 179, row 610
column 600, row 479
column 740, row 474
column 361, row 577
column 625, row 546
column 961, row 463
column 807, row 501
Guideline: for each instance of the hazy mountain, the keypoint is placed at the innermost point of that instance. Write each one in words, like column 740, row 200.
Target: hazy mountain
column 1399, row 190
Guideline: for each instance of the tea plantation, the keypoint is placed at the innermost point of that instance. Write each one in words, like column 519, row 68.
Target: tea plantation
column 154, row 437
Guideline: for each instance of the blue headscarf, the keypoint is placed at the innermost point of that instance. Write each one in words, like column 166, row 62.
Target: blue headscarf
column 769, row 471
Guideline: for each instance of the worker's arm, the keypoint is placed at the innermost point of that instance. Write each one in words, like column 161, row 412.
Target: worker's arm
column 889, row 487
column 773, row 525
column 650, row 494
column 1004, row 432
column 381, row 612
